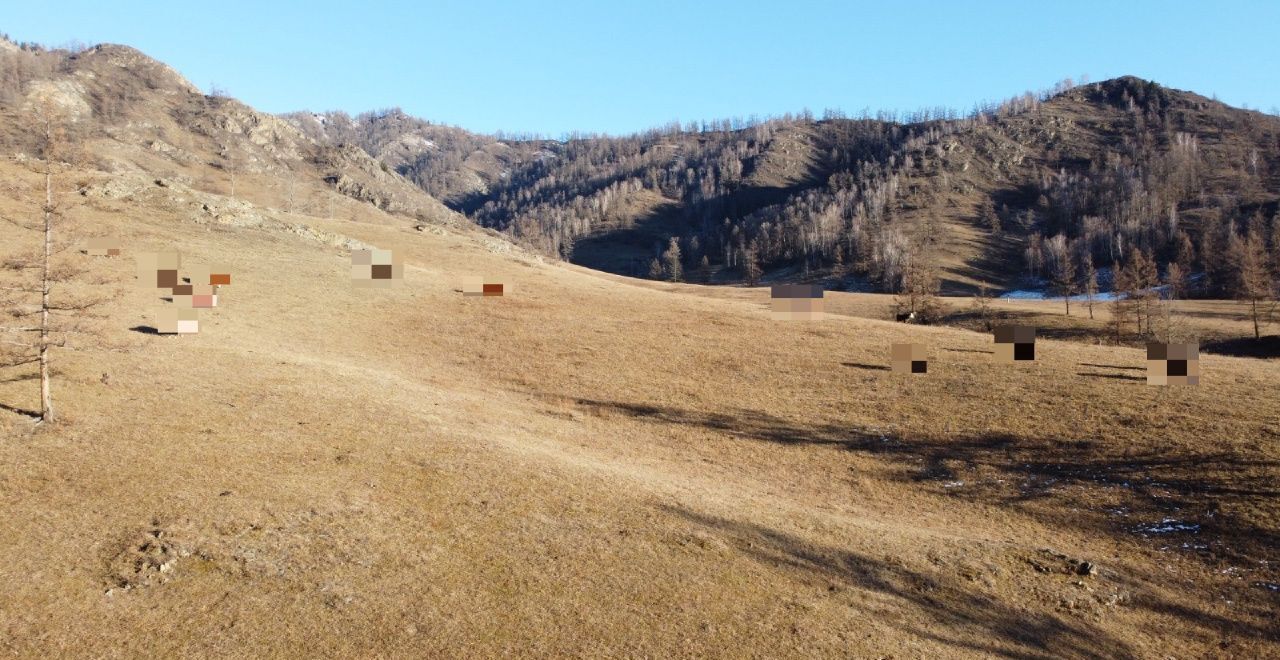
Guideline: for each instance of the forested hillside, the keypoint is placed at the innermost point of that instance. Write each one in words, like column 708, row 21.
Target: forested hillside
column 1037, row 188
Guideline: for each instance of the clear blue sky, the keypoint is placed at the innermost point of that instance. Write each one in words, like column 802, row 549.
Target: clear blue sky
column 616, row 66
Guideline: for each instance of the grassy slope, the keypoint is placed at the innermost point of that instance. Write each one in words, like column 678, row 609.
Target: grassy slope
column 599, row 466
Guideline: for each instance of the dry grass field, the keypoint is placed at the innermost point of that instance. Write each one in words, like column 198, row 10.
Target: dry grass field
column 598, row 466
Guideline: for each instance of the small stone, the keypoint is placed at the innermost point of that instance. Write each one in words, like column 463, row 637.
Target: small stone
column 1086, row 568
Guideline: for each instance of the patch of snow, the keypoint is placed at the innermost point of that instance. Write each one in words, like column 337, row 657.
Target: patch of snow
column 1039, row 289
column 1167, row 526
column 953, row 484
column 1032, row 294
column 1101, row 296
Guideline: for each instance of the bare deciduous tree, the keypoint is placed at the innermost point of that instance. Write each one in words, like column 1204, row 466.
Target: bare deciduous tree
column 49, row 297
column 1134, row 294
column 1275, row 245
column 1090, row 283
column 982, row 304
column 655, row 269
column 989, row 216
column 671, row 257
column 1142, row 276
column 751, row 264
column 920, row 281
column 1175, row 281
column 1064, row 268
column 1175, row 278
column 1253, row 283
column 233, row 167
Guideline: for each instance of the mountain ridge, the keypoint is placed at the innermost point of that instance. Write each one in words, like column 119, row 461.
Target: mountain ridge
column 623, row 205
column 134, row 114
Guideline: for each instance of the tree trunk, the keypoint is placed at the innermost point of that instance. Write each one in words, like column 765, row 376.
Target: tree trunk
column 1256, row 334
column 46, row 396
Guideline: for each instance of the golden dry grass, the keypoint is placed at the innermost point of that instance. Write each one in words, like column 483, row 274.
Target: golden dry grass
column 605, row 467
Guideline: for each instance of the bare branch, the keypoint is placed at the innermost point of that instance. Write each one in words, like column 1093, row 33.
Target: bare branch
column 63, row 271
column 67, row 307
column 20, row 224
column 70, row 245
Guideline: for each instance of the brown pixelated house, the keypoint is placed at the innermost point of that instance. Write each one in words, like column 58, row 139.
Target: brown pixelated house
column 1015, row 343
column 104, row 247
column 1173, row 364
column 481, row 287
column 796, row 302
column 177, row 321
column 159, row 269
column 375, row 268
column 909, row 358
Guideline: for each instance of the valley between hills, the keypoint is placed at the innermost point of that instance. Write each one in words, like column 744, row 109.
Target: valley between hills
column 594, row 464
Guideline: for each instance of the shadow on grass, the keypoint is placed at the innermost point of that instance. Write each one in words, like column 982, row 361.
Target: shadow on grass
column 1229, row 498
column 1226, row 501
column 960, row 616
column 1266, row 347
column 145, row 329
column 968, row 350
column 871, row 367
column 1082, row 334
column 1110, row 366
column 1111, row 376
column 33, row 414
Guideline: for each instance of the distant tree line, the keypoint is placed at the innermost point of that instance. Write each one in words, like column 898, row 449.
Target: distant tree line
column 846, row 195
column 1153, row 190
